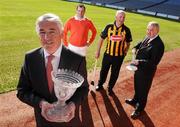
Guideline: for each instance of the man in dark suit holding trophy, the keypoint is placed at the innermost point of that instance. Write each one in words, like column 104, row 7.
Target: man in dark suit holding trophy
column 35, row 86
column 148, row 55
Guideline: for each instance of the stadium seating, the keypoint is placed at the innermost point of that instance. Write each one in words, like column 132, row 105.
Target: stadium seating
column 171, row 7
column 161, row 8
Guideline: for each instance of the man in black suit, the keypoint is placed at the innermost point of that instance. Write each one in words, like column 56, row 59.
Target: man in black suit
column 34, row 86
column 148, row 55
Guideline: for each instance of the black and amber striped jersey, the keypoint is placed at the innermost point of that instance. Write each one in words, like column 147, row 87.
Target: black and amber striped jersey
column 117, row 39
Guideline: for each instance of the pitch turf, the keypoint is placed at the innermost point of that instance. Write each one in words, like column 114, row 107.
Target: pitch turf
column 17, row 34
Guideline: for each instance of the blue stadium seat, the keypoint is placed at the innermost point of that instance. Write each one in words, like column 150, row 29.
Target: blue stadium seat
column 163, row 8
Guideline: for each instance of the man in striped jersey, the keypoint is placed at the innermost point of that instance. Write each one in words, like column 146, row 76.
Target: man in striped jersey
column 118, row 38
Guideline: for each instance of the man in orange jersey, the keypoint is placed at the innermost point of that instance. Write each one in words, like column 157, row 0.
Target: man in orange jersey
column 79, row 27
column 118, row 38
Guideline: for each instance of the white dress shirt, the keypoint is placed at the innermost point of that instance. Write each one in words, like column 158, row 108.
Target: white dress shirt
column 152, row 38
column 56, row 59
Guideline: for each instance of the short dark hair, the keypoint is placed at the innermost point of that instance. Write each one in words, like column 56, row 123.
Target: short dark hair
column 81, row 6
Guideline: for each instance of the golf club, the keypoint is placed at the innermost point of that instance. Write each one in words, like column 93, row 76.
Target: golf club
column 94, row 72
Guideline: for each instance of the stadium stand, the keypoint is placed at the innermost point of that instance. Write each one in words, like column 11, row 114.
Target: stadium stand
column 170, row 8
column 135, row 4
column 161, row 8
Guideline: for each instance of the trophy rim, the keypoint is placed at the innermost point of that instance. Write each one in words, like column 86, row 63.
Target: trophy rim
column 69, row 77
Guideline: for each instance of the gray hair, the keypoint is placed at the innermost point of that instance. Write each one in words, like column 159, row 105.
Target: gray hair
column 49, row 17
column 120, row 11
column 154, row 24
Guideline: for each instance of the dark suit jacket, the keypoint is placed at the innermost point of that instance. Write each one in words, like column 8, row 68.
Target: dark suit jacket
column 150, row 55
column 33, row 87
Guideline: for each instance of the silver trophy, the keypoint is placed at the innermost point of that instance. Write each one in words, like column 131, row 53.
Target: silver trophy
column 65, row 84
column 131, row 66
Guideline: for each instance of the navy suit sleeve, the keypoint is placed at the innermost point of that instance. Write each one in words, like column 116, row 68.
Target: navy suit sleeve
column 138, row 45
column 24, row 89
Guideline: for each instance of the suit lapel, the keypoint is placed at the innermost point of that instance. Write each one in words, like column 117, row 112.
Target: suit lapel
column 69, row 60
column 149, row 44
column 60, row 61
column 142, row 46
column 42, row 71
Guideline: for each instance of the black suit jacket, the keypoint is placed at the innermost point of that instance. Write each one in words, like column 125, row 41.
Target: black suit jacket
column 149, row 55
column 32, row 86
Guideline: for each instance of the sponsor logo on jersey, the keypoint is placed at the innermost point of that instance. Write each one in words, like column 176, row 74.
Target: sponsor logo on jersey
column 116, row 38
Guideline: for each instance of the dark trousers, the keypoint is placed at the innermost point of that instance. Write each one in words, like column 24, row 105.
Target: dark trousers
column 142, row 85
column 115, row 63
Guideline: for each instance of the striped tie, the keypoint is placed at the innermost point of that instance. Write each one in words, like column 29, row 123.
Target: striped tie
column 145, row 43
